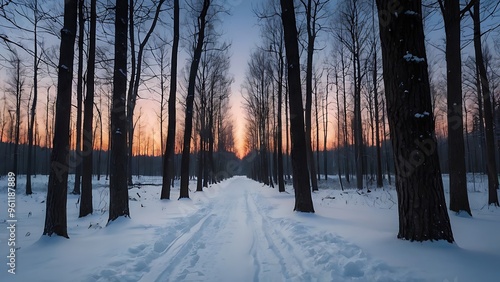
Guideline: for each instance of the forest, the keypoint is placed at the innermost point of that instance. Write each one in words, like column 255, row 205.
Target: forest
column 379, row 93
column 266, row 140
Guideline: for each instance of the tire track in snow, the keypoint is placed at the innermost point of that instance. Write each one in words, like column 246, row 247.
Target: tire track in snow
column 178, row 249
column 234, row 238
column 143, row 258
column 290, row 264
column 266, row 258
column 193, row 264
column 322, row 256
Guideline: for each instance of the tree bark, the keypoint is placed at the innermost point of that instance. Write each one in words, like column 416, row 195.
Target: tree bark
column 308, row 119
column 303, row 199
column 377, row 121
column 86, row 207
column 55, row 213
column 35, row 100
column 186, row 150
column 168, row 158
column 118, row 190
column 79, row 95
column 488, row 111
column 325, row 129
column 281, row 182
column 459, row 200
column 422, row 209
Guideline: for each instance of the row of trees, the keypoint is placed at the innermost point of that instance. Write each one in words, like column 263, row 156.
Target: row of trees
column 410, row 102
column 133, row 73
column 274, row 76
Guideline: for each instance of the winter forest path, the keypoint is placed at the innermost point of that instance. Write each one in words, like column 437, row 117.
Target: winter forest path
column 234, row 237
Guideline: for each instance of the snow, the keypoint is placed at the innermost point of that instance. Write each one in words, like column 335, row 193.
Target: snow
column 411, row 58
column 421, row 115
column 240, row 230
column 411, row 13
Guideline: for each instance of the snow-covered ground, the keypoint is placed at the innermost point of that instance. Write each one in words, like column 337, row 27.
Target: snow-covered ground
column 240, row 230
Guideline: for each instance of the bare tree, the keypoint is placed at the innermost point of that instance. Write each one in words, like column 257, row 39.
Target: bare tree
column 303, row 199
column 25, row 17
column 353, row 34
column 118, row 190
column 488, row 109
column 257, row 104
column 459, row 200
column 168, row 157
column 55, row 215
column 15, row 86
column 272, row 33
column 36, row 63
column 422, row 209
column 88, row 136
column 188, row 124
column 314, row 15
column 375, row 78
column 136, row 72
column 79, row 97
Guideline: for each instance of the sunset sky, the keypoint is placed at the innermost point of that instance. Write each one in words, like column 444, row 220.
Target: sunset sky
column 243, row 31
column 241, row 28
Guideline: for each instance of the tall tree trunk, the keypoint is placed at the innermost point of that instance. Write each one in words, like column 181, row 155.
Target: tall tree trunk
column 55, row 212
column 325, row 129
column 199, row 174
column 108, row 151
column 168, row 158
column 346, row 132
column 136, row 76
column 317, row 126
column 35, row 100
column 377, row 122
column 130, row 96
column 79, row 95
column 211, row 133
column 287, row 131
column 338, row 131
column 358, row 126
column 281, row 182
column 303, row 198
column 309, row 69
column 188, row 124
column 459, row 200
column 387, row 162
column 480, row 116
column 88, row 150
column 16, row 126
column 488, row 110
column 422, row 209
column 99, row 155
column 118, row 190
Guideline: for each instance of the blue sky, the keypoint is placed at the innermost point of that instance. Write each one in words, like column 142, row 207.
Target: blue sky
column 242, row 30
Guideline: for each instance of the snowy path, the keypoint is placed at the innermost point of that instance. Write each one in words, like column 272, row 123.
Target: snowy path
column 234, row 238
column 240, row 230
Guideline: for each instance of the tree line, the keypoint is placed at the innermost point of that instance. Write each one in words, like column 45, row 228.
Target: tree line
column 369, row 61
column 120, row 53
column 374, row 74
